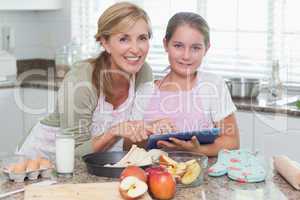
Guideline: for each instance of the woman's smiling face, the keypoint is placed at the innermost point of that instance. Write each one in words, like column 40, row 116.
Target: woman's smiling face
column 186, row 49
column 129, row 49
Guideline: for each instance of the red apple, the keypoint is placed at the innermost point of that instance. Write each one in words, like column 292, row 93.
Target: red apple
column 154, row 169
column 132, row 188
column 134, row 171
column 161, row 185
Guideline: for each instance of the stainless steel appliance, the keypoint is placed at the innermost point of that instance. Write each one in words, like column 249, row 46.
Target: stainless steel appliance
column 243, row 87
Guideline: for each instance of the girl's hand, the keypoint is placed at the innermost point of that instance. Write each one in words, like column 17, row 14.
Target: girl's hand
column 161, row 126
column 135, row 131
column 192, row 145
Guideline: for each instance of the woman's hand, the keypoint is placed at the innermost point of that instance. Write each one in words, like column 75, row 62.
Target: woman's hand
column 132, row 131
column 176, row 144
column 161, row 126
column 141, row 130
column 135, row 131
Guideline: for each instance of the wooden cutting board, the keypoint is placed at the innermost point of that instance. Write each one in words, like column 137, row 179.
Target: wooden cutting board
column 86, row 191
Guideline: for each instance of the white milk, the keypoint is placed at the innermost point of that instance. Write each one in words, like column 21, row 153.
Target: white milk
column 65, row 145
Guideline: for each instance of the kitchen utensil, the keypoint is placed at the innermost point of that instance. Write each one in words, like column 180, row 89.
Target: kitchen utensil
column 95, row 163
column 42, row 183
column 289, row 169
column 86, row 191
column 243, row 87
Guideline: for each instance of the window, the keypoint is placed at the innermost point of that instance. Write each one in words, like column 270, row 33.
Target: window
column 247, row 36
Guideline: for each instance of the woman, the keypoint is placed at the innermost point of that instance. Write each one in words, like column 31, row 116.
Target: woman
column 194, row 100
column 96, row 95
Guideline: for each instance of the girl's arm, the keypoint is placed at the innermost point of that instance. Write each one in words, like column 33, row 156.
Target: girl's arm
column 229, row 138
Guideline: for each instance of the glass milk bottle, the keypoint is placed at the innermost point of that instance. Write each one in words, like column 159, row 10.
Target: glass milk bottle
column 65, row 153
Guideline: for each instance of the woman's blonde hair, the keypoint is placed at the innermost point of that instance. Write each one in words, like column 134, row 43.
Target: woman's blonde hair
column 117, row 18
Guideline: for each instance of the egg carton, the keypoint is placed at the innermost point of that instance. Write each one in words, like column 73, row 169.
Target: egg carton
column 31, row 175
column 18, row 169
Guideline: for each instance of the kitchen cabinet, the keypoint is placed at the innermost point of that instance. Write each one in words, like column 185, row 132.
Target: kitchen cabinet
column 277, row 134
column 270, row 133
column 31, row 5
column 37, row 104
column 21, row 109
column 245, row 124
column 11, row 119
column 280, row 143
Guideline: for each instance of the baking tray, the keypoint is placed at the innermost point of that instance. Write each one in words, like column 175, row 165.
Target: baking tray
column 95, row 163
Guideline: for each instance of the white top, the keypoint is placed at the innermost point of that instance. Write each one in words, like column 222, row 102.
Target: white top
column 104, row 116
column 215, row 97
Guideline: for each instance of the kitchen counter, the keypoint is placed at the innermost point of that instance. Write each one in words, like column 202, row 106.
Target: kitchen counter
column 50, row 82
column 34, row 73
column 260, row 105
column 275, row 187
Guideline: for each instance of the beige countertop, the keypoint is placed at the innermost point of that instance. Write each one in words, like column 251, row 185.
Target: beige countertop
column 221, row 188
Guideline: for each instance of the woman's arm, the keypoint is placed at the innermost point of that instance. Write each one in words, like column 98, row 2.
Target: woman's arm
column 133, row 131
column 76, row 102
column 105, row 141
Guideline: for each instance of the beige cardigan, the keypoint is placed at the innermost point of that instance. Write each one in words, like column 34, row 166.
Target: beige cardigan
column 77, row 100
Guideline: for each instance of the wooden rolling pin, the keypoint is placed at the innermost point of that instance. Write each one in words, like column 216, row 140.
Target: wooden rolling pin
column 289, row 169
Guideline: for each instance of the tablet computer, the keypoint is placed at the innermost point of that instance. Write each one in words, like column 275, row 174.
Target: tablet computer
column 204, row 137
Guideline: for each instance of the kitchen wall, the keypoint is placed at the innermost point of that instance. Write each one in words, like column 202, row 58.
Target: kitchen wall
column 38, row 33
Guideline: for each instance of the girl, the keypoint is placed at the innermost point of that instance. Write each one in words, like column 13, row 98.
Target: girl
column 194, row 100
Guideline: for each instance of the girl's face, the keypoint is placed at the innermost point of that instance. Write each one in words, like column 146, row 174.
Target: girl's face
column 185, row 49
column 128, row 49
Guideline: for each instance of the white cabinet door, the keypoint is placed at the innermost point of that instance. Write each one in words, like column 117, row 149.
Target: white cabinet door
column 37, row 104
column 282, row 143
column 30, row 5
column 245, row 124
column 268, row 126
column 10, row 119
column 277, row 134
